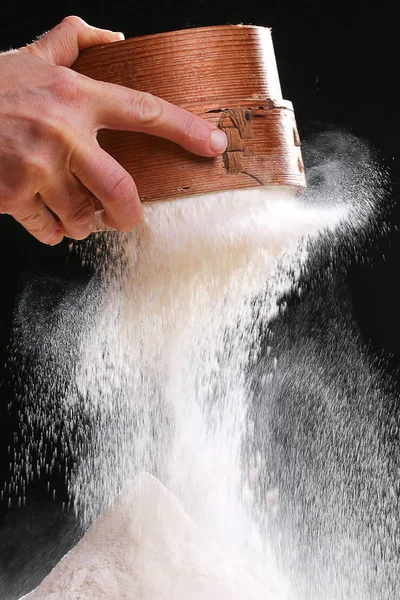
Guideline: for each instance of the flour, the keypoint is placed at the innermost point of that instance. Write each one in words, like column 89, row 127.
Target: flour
column 146, row 547
column 182, row 416
column 162, row 375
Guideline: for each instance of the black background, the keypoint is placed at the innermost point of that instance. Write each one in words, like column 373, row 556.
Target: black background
column 338, row 64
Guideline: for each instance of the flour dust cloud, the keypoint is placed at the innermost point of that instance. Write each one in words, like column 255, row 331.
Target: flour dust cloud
column 170, row 397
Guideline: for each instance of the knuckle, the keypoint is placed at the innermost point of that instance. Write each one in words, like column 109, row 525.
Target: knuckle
column 65, row 84
column 148, row 109
column 121, row 188
column 30, row 48
column 73, row 20
column 35, row 222
column 81, row 215
column 190, row 127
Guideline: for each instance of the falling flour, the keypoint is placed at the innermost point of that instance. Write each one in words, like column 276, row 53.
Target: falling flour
column 166, row 478
column 163, row 377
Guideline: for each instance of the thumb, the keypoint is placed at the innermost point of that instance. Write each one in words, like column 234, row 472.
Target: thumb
column 62, row 44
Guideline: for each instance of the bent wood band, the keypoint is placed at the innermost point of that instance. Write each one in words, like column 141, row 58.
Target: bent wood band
column 226, row 74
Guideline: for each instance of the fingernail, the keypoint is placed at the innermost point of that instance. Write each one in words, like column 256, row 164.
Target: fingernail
column 120, row 35
column 218, row 141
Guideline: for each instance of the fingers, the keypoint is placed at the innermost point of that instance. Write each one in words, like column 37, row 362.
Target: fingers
column 73, row 206
column 34, row 216
column 61, row 45
column 72, row 212
column 117, row 107
column 112, row 185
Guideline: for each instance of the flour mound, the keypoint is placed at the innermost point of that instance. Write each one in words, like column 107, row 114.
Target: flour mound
column 146, row 547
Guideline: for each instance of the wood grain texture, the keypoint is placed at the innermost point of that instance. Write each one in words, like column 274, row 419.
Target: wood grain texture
column 227, row 75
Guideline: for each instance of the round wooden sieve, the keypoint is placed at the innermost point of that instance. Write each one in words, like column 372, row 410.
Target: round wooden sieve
column 227, row 75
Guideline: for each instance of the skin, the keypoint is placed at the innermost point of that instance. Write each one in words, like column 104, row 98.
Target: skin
column 51, row 165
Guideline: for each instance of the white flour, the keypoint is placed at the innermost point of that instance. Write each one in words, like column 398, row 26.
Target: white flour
column 163, row 382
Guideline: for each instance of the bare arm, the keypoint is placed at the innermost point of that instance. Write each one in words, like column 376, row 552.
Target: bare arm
column 50, row 161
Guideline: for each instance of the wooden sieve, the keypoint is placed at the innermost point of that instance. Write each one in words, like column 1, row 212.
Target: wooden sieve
column 227, row 75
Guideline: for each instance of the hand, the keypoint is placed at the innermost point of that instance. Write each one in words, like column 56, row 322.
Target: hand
column 51, row 165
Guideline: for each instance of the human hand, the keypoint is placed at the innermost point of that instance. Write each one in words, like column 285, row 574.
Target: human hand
column 51, row 165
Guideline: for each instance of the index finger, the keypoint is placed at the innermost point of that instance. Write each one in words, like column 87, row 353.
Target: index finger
column 118, row 107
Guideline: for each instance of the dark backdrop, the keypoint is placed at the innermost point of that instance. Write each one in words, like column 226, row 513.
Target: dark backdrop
column 338, row 65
